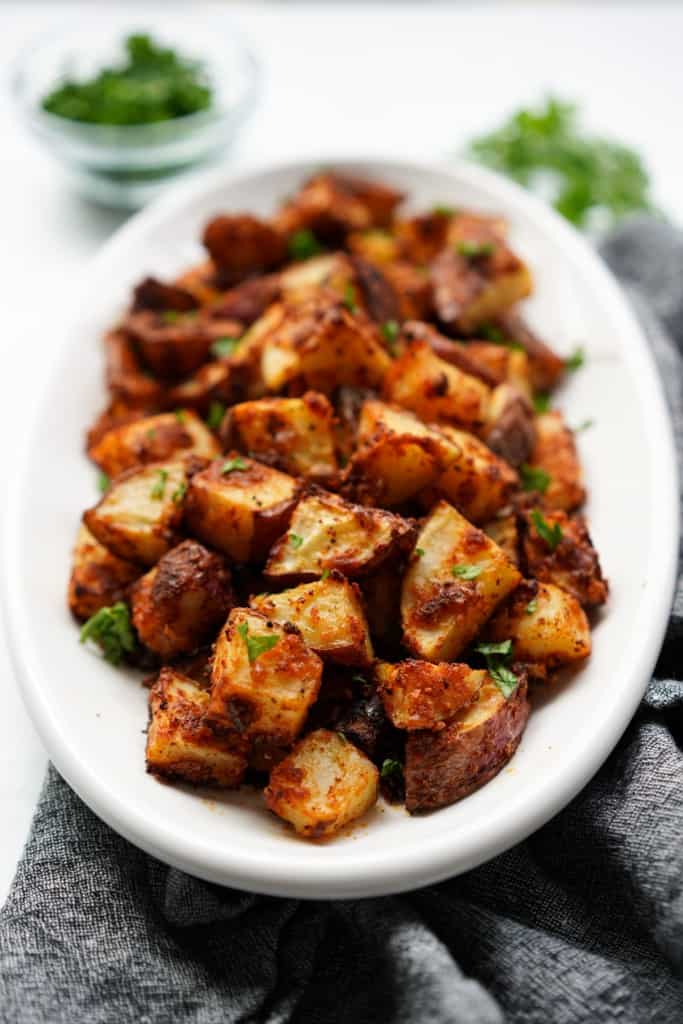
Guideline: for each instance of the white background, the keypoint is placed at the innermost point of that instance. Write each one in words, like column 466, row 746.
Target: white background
column 412, row 79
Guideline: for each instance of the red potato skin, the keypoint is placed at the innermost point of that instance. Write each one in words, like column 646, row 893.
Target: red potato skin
column 443, row 767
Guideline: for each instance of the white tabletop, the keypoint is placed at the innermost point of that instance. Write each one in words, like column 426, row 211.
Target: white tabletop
column 392, row 79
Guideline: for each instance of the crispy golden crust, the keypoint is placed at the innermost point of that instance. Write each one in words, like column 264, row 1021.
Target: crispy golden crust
column 477, row 482
column 572, row 565
column 419, row 695
column 434, row 389
column 555, row 453
column 240, row 245
column 455, row 352
column 98, row 578
column 153, row 439
column 445, row 766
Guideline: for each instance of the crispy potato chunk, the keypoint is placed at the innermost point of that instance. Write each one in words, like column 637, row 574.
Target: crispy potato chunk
column 173, row 344
column 510, row 426
column 240, row 245
column 375, row 245
column 216, row 381
column 151, row 293
column 555, row 452
column 412, row 287
column 240, row 506
column 322, row 344
column 435, row 389
column 445, row 766
column 502, row 364
column 98, row 578
column 179, row 743
column 419, row 695
column 264, row 678
column 546, row 368
column 139, row 517
column 477, row 482
column 329, row 614
column 332, row 204
column 421, row 238
column 548, row 627
column 153, row 439
column 327, row 533
column 294, row 434
column 451, row 351
column 397, row 456
column 573, row 563
column 125, row 376
column 180, row 603
column 249, row 300
column 324, row 783
column 505, row 532
column 453, row 586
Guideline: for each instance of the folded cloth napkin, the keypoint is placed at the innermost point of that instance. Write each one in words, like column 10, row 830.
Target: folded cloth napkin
column 583, row 922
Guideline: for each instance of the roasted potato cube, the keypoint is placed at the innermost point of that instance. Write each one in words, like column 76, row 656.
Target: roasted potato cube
column 555, row 453
column 139, row 517
column 98, row 578
column 327, row 533
column 545, row 366
column 565, row 556
column 451, row 351
column 421, row 238
column 241, row 245
column 320, row 344
column 151, row 293
column 419, row 695
column 453, row 585
column 179, row 743
column 240, row 506
column 322, row 785
column 125, row 376
column 477, row 482
column 412, row 287
column 264, row 678
column 249, row 300
column 181, row 602
column 447, row 765
column 329, row 614
column 434, row 389
column 300, row 280
column 509, row 430
column 173, row 344
column 331, row 204
column 547, row 626
column 502, row 364
column 218, row 381
column 375, row 245
column 153, row 439
column 294, row 434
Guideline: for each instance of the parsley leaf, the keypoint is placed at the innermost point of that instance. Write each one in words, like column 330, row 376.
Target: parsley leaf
column 159, row 488
column 258, row 644
column 103, row 482
column 295, row 540
column 180, row 415
column 390, row 332
column 552, row 535
column 171, row 316
column 533, row 478
column 390, row 767
column 472, row 250
column 233, row 464
column 180, row 492
column 541, row 401
column 215, row 415
column 467, row 572
column 223, row 347
column 583, row 426
column 576, row 360
column 491, row 333
column 358, row 678
column 419, row 552
column 303, row 244
column 111, row 630
column 325, row 574
column 532, row 606
column 442, row 210
column 498, row 656
column 350, row 298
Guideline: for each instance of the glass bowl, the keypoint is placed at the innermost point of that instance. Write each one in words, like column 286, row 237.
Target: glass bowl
column 125, row 166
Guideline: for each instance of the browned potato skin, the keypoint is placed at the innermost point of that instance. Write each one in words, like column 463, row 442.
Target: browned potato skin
column 421, row 238
column 116, row 414
column 240, row 245
column 240, row 513
column 573, row 565
column 98, row 578
column 421, row 695
column 153, row 439
column 510, row 428
column 173, row 350
column 248, row 301
column 546, row 367
column 445, row 766
column 152, row 293
column 333, row 204
column 180, row 745
column 555, row 452
column 452, row 351
column 125, row 377
column 180, row 603
column 412, row 287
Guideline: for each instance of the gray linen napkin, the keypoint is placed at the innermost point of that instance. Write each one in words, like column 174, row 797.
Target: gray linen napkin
column 581, row 923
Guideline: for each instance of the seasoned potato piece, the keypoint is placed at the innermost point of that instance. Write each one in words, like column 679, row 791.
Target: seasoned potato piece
column 434, row 389
column 330, row 615
column 565, row 556
column 322, row 785
column 477, row 482
column 216, row 381
column 240, row 245
column 332, row 204
column 240, row 506
column 179, row 743
column 412, row 287
column 264, row 678
column 545, row 366
column 321, row 344
column 153, row 439
column 294, row 434
column 375, row 245
column 125, row 376
column 503, row 364
column 451, row 351
column 151, row 293
column 555, row 453
column 249, row 300
column 139, row 517
column 299, row 280
column 180, row 603
column 505, row 532
column 445, row 766
column 419, row 695
column 397, row 456
column 453, row 586
column 509, row 430
column 327, row 533
column 421, row 238
column 203, row 281
column 547, row 626
column 173, row 344
column 98, row 578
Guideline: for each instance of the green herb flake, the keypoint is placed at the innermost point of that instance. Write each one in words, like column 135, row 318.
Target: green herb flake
column 541, row 401
column 390, row 767
column 325, row 574
column 467, row 572
column 258, row 644
column 584, row 425
column 552, row 535
column 159, row 488
column 103, row 482
column 419, row 552
column 215, row 415
column 110, row 629
column 234, row 464
column 295, row 540
column 179, row 493
column 303, row 245
column 443, row 210
column 498, row 657
column 490, row 332
column 223, row 347
column 472, row 250
column 350, row 298
column 358, row 678
column 180, row 415
column 576, row 360
column 532, row 606
column 533, row 478
column 390, row 332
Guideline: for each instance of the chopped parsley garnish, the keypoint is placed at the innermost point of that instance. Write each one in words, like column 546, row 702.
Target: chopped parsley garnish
column 325, row 574
column 443, row 210
column 498, row 657
column 532, row 606
column 303, row 244
column 541, row 401
column 390, row 332
column 103, row 482
column 583, row 426
column 419, row 552
column 552, row 535
column 215, row 415
column 180, row 415
column 258, row 644
column 180, row 492
column 576, row 360
column 472, row 250
column 467, row 572
column 295, row 540
column 492, row 333
column 111, row 630
column 234, row 464
column 350, row 298
column 358, row 678
column 223, row 347
column 159, row 488
column 171, row 316
column 390, row 767
column 533, row 478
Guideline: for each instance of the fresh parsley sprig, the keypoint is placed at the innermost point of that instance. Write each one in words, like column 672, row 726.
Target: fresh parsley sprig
column 498, row 657
column 552, row 535
column 256, row 644
column 110, row 629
